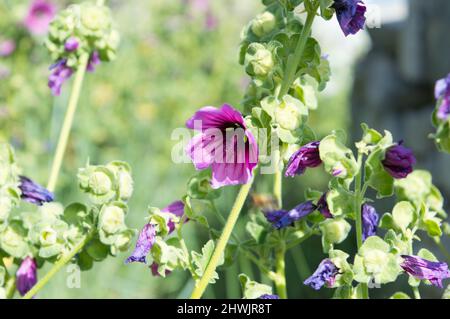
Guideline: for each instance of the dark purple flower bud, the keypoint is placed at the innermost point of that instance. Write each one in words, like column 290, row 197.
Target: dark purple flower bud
column 399, row 161
column 324, row 275
column 267, row 296
column 322, row 206
column 60, row 74
column 33, row 192
column 425, row 270
column 350, row 15
column 369, row 221
column 176, row 208
column 144, row 244
column 154, row 269
column 94, row 60
column 71, row 44
column 26, row 275
column 442, row 93
column 307, row 156
column 282, row 218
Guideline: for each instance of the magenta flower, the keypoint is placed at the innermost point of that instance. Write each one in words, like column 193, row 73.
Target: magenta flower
column 350, row 15
column 442, row 93
column 324, row 275
column 307, row 156
column 426, row 270
column 7, row 47
column 369, row 221
column 176, row 208
column 40, row 14
column 224, row 144
column 26, row 275
column 60, row 74
column 33, row 192
column 399, row 161
column 144, row 244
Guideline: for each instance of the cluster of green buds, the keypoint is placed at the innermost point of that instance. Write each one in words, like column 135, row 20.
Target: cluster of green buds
column 109, row 187
column 9, row 183
column 287, row 71
column 85, row 28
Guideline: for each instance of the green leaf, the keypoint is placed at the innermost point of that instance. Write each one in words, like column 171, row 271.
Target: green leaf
column 75, row 213
column 377, row 177
column 252, row 289
column 97, row 250
column 201, row 261
column 340, row 201
column 414, row 188
column 256, row 231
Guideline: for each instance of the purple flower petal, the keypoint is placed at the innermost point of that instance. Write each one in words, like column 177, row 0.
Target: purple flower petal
column 322, row 206
column 307, row 156
column 283, row 218
column 424, row 269
column 144, row 244
column 350, row 15
column 33, row 192
column 154, row 268
column 267, row 296
column 369, row 221
column 39, row 16
column 224, row 144
column 324, row 275
column 71, row 44
column 26, row 275
column 60, row 74
column 442, row 91
column 94, row 60
column 399, row 161
column 176, row 208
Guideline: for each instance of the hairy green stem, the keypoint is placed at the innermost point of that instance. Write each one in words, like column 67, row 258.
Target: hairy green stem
column 201, row 285
column 294, row 60
column 416, row 292
column 358, row 202
column 280, row 280
column 57, row 266
column 67, row 124
column 278, row 179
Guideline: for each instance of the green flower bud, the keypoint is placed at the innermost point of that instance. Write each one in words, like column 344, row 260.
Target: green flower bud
column 199, row 186
column 48, row 236
column 99, row 182
column 258, row 60
column 263, row 23
column 94, row 17
column 123, row 241
column 112, row 218
column 290, row 112
column 335, row 230
column 122, row 173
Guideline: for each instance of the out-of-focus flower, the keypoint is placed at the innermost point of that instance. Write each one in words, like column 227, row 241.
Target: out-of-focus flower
column 307, row 156
column 60, row 73
column 424, row 269
column 26, row 276
column 350, row 14
column 39, row 16
column 283, row 218
column 322, row 206
column 399, row 161
column 224, row 144
column 144, row 244
column 7, row 47
column 442, row 92
column 33, row 192
column 71, row 44
column 267, row 296
column 94, row 60
column 263, row 23
column 369, row 221
column 324, row 275
column 176, row 208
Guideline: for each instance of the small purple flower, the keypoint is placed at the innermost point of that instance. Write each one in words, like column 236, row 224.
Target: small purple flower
column 60, row 73
column 7, row 47
column 399, row 161
column 94, row 60
column 40, row 14
column 442, row 91
column 425, row 270
column 283, row 218
column 71, row 44
column 224, row 144
column 369, row 221
column 26, row 275
column 33, row 192
column 176, row 208
column 350, row 15
column 307, row 156
column 324, row 275
column 267, row 296
column 144, row 244
column 154, row 268
column 322, row 206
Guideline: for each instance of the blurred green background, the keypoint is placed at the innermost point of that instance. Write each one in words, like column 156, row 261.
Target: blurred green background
column 174, row 58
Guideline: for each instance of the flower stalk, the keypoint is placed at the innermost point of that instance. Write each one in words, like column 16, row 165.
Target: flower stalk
column 201, row 285
column 67, row 124
column 280, row 280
